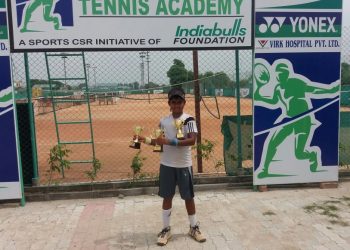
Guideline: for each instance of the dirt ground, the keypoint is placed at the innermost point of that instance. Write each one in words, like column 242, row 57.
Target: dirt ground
column 113, row 129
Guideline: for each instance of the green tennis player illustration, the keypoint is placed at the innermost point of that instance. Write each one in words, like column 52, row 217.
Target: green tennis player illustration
column 48, row 15
column 279, row 87
column 5, row 97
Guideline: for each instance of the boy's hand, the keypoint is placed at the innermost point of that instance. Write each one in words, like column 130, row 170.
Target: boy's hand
column 161, row 140
column 141, row 138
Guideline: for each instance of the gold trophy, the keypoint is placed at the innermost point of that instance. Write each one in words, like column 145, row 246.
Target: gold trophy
column 135, row 143
column 158, row 132
column 179, row 125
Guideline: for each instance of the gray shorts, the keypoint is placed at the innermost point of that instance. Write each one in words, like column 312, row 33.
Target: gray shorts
column 169, row 177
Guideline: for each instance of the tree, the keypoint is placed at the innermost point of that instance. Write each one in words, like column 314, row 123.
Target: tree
column 246, row 82
column 135, row 85
column 210, row 81
column 222, row 80
column 81, row 86
column 151, row 85
column 177, row 72
column 206, row 81
column 345, row 73
column 190, row 75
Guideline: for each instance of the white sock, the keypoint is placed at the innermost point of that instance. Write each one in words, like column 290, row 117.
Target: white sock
column 192, row 219
column 166, row 218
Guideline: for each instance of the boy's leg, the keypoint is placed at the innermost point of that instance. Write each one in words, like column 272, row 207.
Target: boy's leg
column 167, row 184
column 194, row 224
column 184, row 180
column 191, row 211
column 167, row 205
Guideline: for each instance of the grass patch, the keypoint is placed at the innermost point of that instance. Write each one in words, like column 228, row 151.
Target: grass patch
column 339, row 222
column 344, row 198
column 268, row 213
column 332, row 202
column 330, row 208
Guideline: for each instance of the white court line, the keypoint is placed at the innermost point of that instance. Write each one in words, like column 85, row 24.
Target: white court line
column 297, row 119
column 5, row 111
column 19, row 4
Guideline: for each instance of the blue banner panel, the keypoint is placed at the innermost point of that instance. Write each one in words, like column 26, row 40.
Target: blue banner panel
column 296, row 115
column 10, row 183
column 8, row 147
column 296, row 91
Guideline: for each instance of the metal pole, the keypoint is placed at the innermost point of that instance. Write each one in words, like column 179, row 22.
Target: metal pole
column 88, row 73
column 35, row 179
column 142, row 74
column 238, row 97
column 94, row 68
column 197, row 100
column 147, row 60
column 65, row 69
column 142, row 65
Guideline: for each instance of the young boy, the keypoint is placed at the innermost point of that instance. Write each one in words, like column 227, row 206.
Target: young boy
column 176, row 164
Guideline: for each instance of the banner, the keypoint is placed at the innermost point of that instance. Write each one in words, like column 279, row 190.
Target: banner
column 10, row 183
column 38, row 25
column 296, row 91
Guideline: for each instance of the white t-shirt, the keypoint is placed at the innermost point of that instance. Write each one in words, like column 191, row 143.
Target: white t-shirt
column 173, row 156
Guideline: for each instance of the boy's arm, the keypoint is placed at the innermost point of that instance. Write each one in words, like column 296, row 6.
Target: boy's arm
column 191, row 129
column 147, row 140
column 189, row 141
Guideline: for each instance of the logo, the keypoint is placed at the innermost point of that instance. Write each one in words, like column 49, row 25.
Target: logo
column 296, row 24
column 201, row 30
column 262, row 43
column 272, row 24
column 44, row 15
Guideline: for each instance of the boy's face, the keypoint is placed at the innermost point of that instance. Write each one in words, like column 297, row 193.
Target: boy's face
column 177, row 105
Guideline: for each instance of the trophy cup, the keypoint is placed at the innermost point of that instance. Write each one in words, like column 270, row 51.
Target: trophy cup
column 179, row 125
column 158, row 132
column 135, row 143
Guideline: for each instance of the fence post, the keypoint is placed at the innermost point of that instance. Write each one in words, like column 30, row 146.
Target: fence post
column 238, row 99
column 35, row 179
column 197, row 100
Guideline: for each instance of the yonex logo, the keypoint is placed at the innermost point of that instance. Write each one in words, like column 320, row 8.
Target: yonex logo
column 42, row 15
column 273, row 24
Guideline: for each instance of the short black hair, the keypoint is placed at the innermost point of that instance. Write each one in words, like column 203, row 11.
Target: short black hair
column 176, row 92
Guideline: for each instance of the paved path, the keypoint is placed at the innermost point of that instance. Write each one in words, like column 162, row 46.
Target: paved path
column 231, row 219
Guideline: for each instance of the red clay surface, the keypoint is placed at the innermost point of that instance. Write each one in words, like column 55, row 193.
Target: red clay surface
column 113, row 129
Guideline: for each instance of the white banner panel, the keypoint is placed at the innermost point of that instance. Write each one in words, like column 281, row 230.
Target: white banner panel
column 130, row 24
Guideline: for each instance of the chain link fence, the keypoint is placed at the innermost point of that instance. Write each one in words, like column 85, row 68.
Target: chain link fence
column 128, row 89
column 344, row 142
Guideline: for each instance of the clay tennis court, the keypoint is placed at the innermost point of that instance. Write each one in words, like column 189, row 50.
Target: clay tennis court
column 113, row 130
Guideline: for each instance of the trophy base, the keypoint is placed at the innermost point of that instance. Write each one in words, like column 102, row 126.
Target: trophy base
column 158, row 149
column 180, row 137
column 135, row 145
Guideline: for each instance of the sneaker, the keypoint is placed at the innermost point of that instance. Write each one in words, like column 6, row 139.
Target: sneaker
column 196, row 234
column 164, row 236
